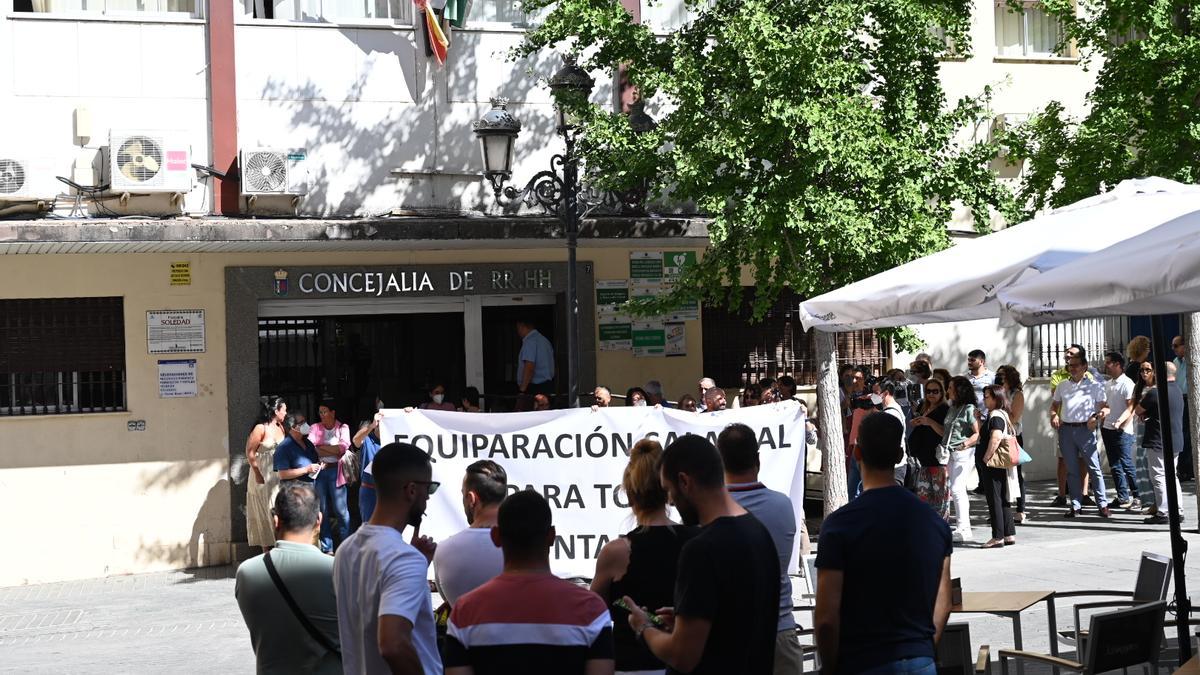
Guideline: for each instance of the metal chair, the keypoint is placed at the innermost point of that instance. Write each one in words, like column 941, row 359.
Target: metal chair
column 1152, row 584
column 954, row 653
column 1119, row 639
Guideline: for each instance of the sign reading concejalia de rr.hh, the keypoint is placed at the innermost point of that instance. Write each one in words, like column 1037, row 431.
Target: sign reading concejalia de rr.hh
column 575, row 458
column 376, row 282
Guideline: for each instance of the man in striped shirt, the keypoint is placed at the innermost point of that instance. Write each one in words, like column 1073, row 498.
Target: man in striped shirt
column 527, row 620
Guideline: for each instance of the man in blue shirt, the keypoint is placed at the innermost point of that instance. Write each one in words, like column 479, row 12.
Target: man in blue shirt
column 535, row 364
column 296, row 456
column 883, row 585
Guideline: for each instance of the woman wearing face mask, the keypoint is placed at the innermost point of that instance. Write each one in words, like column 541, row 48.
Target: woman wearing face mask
column 636, row 396
column 437, row 399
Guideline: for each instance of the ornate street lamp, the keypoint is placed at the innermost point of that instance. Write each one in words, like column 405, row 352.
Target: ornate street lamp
column 557, row 194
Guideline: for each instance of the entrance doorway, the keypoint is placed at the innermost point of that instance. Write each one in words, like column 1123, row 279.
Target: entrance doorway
column 353, row 360
column 501, row 345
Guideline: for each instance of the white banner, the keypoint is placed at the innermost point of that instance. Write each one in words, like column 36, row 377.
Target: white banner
column 575, row 458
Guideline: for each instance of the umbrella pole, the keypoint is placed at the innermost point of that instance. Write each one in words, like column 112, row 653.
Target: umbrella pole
column 829, row 413
column 1162, row 347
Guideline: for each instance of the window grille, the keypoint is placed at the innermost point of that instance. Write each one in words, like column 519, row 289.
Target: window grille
column 62, row 355
column 1097, row 336
column 738, row 351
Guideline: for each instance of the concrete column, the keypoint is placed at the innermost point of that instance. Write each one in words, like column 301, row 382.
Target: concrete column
column 222, row 103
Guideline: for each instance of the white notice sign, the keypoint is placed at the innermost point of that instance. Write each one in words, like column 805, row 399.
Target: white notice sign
column 177, row 379
column 175, row 331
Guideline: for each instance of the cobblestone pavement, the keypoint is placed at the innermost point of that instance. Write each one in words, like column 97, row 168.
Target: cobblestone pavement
column 188, row 621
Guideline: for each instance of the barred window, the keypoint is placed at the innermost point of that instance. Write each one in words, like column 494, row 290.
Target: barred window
column 62, row 355
column 1097, row 336
column 738, row 352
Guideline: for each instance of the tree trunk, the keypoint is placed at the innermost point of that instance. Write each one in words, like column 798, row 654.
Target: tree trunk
column 1191, row 337
column 829, row 413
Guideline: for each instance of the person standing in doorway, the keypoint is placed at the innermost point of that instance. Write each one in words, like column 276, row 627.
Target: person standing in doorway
column 535, row 365
column 1186, row 470
column 263, row 482
column 332, row 440
column 437, row 399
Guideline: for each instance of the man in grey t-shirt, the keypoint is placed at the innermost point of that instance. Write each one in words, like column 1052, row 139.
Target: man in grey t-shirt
column 281, row 643
column 739, row 451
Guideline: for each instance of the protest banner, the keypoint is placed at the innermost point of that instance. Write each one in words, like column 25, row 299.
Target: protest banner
column 575, row 458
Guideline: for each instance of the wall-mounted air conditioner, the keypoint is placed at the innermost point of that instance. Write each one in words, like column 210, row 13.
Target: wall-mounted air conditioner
column 25, row 179
column 273, row 172
column 149, row 161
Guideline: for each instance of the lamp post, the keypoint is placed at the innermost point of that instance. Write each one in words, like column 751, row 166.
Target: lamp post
column 497, row 131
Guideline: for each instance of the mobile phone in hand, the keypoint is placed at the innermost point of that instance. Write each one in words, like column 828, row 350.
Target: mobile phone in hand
column 655, row 619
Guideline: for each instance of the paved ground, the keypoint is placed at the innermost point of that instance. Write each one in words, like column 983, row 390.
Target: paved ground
column 188, row 621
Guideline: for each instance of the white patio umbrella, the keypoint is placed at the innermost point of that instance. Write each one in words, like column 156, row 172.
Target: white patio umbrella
column 961, row 283
column 1157, row 272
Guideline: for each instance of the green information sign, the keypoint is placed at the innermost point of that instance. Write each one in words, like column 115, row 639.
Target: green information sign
column 612, row 296
column 645, row 265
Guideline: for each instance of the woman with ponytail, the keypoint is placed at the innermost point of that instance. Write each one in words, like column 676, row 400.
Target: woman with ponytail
column 641, row 563
column 263, row 482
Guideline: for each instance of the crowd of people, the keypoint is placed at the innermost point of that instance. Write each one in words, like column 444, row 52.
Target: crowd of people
column 973, row 423
column 709, row 594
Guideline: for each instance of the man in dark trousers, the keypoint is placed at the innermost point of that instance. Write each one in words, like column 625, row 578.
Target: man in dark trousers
column 883, row 561
column 726, row 613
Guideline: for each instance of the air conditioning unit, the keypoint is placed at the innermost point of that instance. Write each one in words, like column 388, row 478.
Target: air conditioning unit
column 149, row 161
column 24, row 179
column 273, row 172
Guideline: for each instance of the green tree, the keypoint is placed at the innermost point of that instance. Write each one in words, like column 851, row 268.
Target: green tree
column 1143, row 115
column 815, row 133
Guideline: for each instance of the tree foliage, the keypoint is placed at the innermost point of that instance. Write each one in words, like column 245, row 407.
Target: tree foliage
column 815, row 133
column 1143, row 115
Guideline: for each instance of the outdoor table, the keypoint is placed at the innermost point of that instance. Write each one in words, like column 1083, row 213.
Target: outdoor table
column 1010, row 604
column 1192, row 667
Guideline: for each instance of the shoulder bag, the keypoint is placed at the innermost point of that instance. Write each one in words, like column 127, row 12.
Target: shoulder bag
column 1008, row 454
column 312, row 631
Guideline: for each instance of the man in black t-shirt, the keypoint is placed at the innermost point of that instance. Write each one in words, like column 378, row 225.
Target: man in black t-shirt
column 727, row 584
column 883, row 586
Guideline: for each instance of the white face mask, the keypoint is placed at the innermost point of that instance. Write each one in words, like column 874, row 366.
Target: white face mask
column 304, row 428
column 876, row 399
column 639, row 404
column 438, row 398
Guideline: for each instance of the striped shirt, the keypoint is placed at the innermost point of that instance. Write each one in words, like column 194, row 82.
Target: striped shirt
column 529, row 624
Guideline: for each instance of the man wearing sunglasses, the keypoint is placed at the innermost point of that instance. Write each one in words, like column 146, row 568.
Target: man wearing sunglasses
column 385, row 615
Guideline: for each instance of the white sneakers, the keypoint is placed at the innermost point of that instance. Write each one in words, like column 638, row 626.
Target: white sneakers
column 962, row 537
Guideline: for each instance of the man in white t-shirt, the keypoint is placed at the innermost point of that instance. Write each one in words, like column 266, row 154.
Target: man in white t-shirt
column 385, row 616
column 979, row 375
column 1117, row 432
column 1076, row 412
column 470, row 558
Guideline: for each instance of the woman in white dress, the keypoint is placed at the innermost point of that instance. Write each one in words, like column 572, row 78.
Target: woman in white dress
column 263, row 482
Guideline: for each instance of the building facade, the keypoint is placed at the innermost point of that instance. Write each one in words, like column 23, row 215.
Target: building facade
column 140, row 327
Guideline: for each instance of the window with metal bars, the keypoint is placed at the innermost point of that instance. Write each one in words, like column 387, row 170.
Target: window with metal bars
column 738, row 351
column 1047, row 343
column 62, row 355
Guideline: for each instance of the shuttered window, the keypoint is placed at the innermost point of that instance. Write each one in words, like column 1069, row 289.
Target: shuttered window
column 62, row 355
column 738, row 351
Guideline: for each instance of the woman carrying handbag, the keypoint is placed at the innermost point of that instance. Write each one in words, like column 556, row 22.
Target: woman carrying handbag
column 998, row 455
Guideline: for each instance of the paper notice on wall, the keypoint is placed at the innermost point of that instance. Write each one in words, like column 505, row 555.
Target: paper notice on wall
column 177, row 378
column 649, row 339
column 172, row 331
column 676, row 339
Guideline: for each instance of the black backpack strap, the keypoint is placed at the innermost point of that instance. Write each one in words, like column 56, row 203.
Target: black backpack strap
column 317, row 635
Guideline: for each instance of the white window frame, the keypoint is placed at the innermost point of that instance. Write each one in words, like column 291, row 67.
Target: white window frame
column 1024, row 33
column 399, row 22
column 133, row 15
